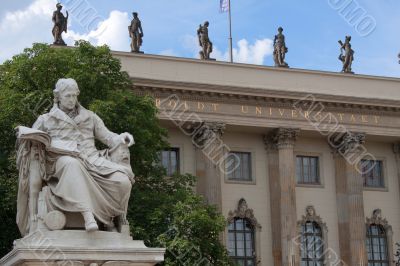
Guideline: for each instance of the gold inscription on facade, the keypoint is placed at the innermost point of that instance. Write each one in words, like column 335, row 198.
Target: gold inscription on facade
column 260, row 111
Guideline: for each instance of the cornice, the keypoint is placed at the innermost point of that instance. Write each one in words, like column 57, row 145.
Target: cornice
column 251, row 96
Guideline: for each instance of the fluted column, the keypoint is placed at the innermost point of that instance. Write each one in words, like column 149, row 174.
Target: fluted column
column 348, row 151
column 285, row 139
column 209, row 168
column 274, row 196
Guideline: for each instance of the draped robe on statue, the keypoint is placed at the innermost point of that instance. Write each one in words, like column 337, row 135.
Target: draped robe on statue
column 87, row 181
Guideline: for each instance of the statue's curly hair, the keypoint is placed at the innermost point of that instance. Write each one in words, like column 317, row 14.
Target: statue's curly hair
column 62, row 85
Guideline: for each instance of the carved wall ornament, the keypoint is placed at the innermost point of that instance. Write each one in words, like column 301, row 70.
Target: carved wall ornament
column 377, row 219
column 311, row 216
column 243, row 212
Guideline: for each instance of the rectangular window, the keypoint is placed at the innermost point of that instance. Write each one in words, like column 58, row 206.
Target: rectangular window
column 170, row 160
column 372, row 173
column 307, row 170
column 239, row 167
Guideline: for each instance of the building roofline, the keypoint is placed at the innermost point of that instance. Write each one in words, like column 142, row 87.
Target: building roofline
column 254, row 66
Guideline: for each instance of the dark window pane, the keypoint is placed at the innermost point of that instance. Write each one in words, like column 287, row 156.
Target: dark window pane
column 312, row 248
column 376, row 244
column 241, row 242
column 243, row 166
column 170, row 161
column 372, row 173
column 307, row 170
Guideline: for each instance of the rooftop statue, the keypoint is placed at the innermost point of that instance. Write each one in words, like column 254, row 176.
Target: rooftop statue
column 136, row 33
column 204, row 41
column 62, row 174
column 280, row 49
column 346, row 55
column 60, row 25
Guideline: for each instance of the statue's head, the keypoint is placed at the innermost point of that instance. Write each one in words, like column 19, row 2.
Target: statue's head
column 206, row 23
column 120, row 154
column 135, row 14
column 280, row 29
column 348, row 38
column 66, row 93
column 59, row 6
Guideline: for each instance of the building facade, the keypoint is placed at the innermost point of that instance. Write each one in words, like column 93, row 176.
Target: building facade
column 304, row 165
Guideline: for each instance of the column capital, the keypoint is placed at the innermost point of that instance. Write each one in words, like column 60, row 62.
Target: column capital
column 396, row 148
column 281, row 138
column 207, row 131
column 270, row 142
column 346, row 142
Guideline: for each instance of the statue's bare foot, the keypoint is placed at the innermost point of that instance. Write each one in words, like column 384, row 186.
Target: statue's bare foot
column 90, row 222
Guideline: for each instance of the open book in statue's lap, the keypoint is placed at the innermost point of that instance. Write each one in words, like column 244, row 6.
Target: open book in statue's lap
column 59, row 153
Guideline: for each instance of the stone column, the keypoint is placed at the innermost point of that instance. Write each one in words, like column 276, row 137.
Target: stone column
column 285, row 139
column 348, row 153
column 210, row 151
column 274, row 197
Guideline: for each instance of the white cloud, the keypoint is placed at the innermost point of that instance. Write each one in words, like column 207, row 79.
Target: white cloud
column 253, row 53
column 243, row 53
column 19, row 29
column 112, row 31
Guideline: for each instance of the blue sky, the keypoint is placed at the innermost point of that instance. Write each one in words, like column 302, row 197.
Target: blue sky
column 312, row 29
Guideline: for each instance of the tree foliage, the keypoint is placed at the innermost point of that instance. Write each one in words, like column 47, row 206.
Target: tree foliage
column 163, row 211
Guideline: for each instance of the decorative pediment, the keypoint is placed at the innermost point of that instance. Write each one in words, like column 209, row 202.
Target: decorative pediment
column 243, row 212
column 311, row 216
column 377, row 219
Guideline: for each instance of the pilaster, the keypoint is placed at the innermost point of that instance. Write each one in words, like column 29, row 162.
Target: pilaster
column 274, row 196
column 209, row 151
column 285, row 139
column 349, row 196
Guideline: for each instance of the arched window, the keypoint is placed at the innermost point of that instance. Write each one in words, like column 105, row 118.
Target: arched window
column 313, row 234
column 379, row 240
column 241, row 245
column 241, row 239
column 312, row 245
column 377, row 246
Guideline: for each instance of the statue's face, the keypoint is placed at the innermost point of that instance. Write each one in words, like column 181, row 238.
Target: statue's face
column 121, row 155
column 68, row 99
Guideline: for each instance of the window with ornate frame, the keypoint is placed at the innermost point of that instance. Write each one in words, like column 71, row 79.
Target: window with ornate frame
column 241, row 240
column 379, row 240
column 313, row 236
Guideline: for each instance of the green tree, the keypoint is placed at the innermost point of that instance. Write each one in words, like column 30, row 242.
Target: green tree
column 163, row 211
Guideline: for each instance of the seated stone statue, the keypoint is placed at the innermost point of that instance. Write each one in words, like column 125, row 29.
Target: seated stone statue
column 79, row 179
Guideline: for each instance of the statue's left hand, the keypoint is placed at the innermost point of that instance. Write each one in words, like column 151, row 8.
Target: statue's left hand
column 127, row 139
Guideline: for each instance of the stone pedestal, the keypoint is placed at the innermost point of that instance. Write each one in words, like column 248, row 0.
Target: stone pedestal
column 79, row 248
